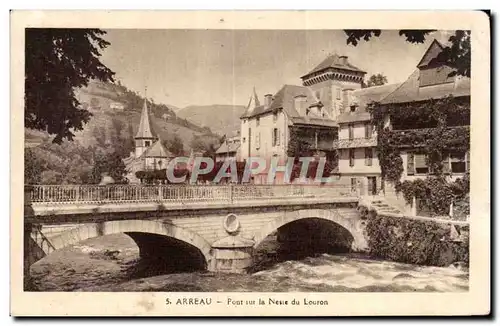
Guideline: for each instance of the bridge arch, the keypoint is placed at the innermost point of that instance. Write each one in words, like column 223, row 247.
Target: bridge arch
column 88, row 231
column 352, row 225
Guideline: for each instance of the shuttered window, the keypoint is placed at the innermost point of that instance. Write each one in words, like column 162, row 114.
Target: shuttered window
column 368, row 130
column 351, row 157
column 276, row 137
column 351, row 132
column 410, row 164
column 446, row 163
column 421, row 164
column 368, row 156
column 458, row 162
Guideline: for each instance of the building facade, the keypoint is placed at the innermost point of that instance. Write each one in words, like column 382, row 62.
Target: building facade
column 297, row 118
column 229, row 150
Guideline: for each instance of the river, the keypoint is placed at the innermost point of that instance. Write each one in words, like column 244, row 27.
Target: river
column 112, row 263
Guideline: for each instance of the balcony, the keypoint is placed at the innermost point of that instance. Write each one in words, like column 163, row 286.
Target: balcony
column 355, row 143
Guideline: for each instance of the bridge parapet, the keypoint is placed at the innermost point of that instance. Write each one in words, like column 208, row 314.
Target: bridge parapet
column 76, row 194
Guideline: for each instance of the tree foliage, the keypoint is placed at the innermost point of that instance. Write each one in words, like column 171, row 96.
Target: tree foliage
column 57, row 61
column 376, row 80
column 457, row 55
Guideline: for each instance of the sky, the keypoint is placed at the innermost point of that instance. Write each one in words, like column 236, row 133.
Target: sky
column 204, row 67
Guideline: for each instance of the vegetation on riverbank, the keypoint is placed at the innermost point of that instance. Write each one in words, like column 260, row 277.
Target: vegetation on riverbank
column 414, row 242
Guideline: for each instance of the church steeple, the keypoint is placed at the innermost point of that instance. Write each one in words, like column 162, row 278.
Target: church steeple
column 145, row 136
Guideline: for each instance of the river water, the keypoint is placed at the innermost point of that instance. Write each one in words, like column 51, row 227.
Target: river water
column 112, row 263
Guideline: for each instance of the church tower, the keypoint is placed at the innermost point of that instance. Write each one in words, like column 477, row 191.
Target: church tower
column 145, row 136
column 333, row 81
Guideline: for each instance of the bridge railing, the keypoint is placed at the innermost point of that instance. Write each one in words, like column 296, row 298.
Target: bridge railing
column 179, row 193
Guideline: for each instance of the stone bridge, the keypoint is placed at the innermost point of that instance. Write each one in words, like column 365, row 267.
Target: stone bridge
column 219, row 226
column 216, row 228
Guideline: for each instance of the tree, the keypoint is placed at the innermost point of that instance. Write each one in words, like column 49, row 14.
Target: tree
column 176, row 146
column 457, row 55
column 376, row 80
column 32, row 167
column 110, row 163
column 57, row 61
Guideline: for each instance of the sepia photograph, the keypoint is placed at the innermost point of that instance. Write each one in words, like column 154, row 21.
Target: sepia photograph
column 249, row 160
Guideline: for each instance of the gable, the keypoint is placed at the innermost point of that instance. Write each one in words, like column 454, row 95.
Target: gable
column 432, row 52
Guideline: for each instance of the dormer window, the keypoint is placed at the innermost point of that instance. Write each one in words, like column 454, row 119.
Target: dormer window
column 147, row 143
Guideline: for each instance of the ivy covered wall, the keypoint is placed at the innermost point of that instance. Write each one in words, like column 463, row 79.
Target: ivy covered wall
column 434, row 128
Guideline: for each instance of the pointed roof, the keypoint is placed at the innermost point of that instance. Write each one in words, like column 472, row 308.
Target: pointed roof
column 157, row 150
column 432, row 52
column 334, row 61
column 253, row 105
column 145, row 130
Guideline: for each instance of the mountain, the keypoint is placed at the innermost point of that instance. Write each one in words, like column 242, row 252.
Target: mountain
column 115, row 118
column 221, row 119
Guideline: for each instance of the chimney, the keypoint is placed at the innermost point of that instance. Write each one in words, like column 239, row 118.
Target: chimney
column 343, row 59
column 268, row 99
column 300, row 104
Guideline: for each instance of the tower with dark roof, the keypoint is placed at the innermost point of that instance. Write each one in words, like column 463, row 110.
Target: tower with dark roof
column 145, row 136
column 332, row 82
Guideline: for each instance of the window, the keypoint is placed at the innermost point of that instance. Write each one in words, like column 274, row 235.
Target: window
column 421, row 164
column 147, row 143
column 368, row 156
column 410, row 165
column 368, row 130
column 457, row 162
column 276, row 137
column 353, row 184
column 351, row 131
column 318, row 95
column 257, row 141
column 353, row 108
column 257, row 122
column 338, row 93
column 351, row 157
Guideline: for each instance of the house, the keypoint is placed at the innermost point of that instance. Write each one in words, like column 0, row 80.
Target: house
column 300, row 120
column 150, row 154
column 430, row 82
column 229, row 149
column 116, row 106
column 357, row 142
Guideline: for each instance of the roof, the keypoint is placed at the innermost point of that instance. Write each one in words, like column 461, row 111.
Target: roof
column 429, row 81
column 228, row 148
column 431, row 53
column 410, row 90
column 157, row 150
column 334, row 61
column 145, row 130
column 362, row 98
column 284, row 99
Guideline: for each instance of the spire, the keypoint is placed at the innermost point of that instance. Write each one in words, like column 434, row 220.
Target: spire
column 145, row 130
column 256, row 99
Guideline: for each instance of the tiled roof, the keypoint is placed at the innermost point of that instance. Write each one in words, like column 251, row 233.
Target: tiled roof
column 284, row 99
column 157, row 150
column 410, row 90
column 334, row 61
column 228, row 148
column 429, row 82
column 362, row 97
